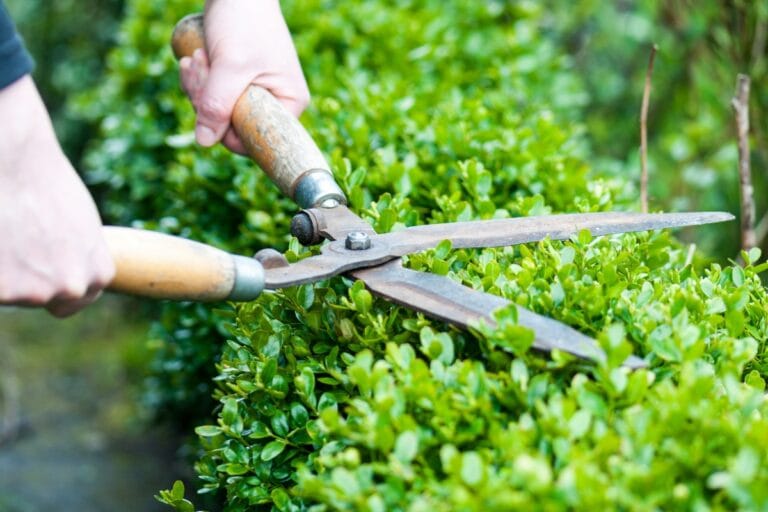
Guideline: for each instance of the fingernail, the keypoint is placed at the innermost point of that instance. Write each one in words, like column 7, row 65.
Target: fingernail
column 205, row 136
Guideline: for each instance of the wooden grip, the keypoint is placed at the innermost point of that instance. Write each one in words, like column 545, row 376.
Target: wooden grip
column 162, row 266
column 273, row 137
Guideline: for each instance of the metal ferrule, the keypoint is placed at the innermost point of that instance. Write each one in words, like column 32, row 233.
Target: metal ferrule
column 316, row 187
column 249, row 279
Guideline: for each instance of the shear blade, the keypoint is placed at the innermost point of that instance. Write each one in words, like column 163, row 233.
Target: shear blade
column 520, row 230
column 441, row 298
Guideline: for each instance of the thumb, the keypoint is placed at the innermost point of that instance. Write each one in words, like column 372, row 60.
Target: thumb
column 216, row 103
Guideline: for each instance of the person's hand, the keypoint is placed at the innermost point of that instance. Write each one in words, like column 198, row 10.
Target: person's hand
column 52, row 251
column 247, row 42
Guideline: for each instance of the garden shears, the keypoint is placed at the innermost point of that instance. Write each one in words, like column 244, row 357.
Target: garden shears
column 163, row 266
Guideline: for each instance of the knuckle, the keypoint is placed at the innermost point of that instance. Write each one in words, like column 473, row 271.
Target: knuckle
column 213, row 108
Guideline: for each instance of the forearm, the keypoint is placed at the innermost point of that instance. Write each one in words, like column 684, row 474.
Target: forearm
column 26, row 127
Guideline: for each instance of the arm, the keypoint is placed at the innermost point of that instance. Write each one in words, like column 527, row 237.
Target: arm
column 53, row 253
column 247, row 42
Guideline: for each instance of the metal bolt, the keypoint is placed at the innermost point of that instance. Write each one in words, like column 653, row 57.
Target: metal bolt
column 357, row 241
column 330, row 203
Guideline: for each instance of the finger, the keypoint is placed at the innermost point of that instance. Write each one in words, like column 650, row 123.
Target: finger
column 185, row 75
column 217, row 100
column 233, row 142
column 194, row 74
column 62, row 308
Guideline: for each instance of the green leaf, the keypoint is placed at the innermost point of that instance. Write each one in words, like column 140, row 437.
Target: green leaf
column 207, row 431
column 235, row 469
column 663, row 344
column 737, row 276
column 362, row 298
column 345, row 481
column 406, row 446
column 279, row 424
column 272, row 450
column 177, row 492
column 259, row 430
column 229, row 413
column 443, row 249
column 472, row 468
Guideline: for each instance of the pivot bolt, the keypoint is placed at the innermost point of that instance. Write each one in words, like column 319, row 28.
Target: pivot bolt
column 357, row 241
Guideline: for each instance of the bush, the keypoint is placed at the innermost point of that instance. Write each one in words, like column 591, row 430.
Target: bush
column 328, row 397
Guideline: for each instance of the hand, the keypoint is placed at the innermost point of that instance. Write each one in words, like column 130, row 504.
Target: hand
column 247, row 43
column 53, row 253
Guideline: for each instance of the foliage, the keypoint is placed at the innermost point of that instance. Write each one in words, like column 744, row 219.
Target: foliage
column 329, row 398
column 691, row 127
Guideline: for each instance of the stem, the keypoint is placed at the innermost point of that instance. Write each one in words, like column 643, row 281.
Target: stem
column 644, row 133
column 740, row 104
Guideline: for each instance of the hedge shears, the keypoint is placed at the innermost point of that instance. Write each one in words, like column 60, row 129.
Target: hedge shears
column 163, row 266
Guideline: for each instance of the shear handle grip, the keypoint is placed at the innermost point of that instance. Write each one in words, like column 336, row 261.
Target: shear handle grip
column 272, row 136
column 162, row 266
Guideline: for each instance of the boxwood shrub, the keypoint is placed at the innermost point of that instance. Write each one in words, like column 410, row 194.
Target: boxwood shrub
column 327, row 398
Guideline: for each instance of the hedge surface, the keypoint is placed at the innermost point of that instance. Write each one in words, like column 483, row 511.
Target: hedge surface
column 328, row 398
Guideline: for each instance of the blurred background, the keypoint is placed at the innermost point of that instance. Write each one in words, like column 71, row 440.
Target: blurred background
column 94, row 413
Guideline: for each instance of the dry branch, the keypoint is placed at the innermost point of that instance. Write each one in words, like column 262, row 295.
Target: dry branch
column 644, row 133
column 740, row 104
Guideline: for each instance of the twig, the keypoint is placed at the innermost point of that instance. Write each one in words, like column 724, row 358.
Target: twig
column 740, row 104
column 644, row 133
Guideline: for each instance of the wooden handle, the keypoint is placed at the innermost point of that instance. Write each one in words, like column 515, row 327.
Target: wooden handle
column 272, row 136
column 162, row 266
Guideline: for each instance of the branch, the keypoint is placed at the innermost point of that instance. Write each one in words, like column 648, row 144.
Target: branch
column 644, row 133
column 740, row 104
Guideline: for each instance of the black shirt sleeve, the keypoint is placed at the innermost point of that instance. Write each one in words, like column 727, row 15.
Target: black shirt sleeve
column 15, row 61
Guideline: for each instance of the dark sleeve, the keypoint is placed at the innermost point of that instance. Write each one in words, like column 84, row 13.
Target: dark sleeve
column 15, row 62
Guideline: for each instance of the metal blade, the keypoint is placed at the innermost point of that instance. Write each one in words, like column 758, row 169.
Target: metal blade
column 337, row 259
column 520, row 230
column 449, row 301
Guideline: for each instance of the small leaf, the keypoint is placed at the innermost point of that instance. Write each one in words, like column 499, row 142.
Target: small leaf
column 472, row 468
column 279, row 424
column 443, row 249
column 737, row 276
column 177, row 492
column 208, row 430
column 259, row 430
column 272, row 450
column 406, row 446
column 229, row 412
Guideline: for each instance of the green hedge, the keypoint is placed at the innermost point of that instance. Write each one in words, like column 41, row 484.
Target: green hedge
column 436, row 112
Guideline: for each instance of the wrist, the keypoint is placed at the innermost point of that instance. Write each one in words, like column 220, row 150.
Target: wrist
column 26, row 127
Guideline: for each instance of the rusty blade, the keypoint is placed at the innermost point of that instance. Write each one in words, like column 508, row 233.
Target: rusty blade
column 451, row 302
column 337, row 259
column 504, row 232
